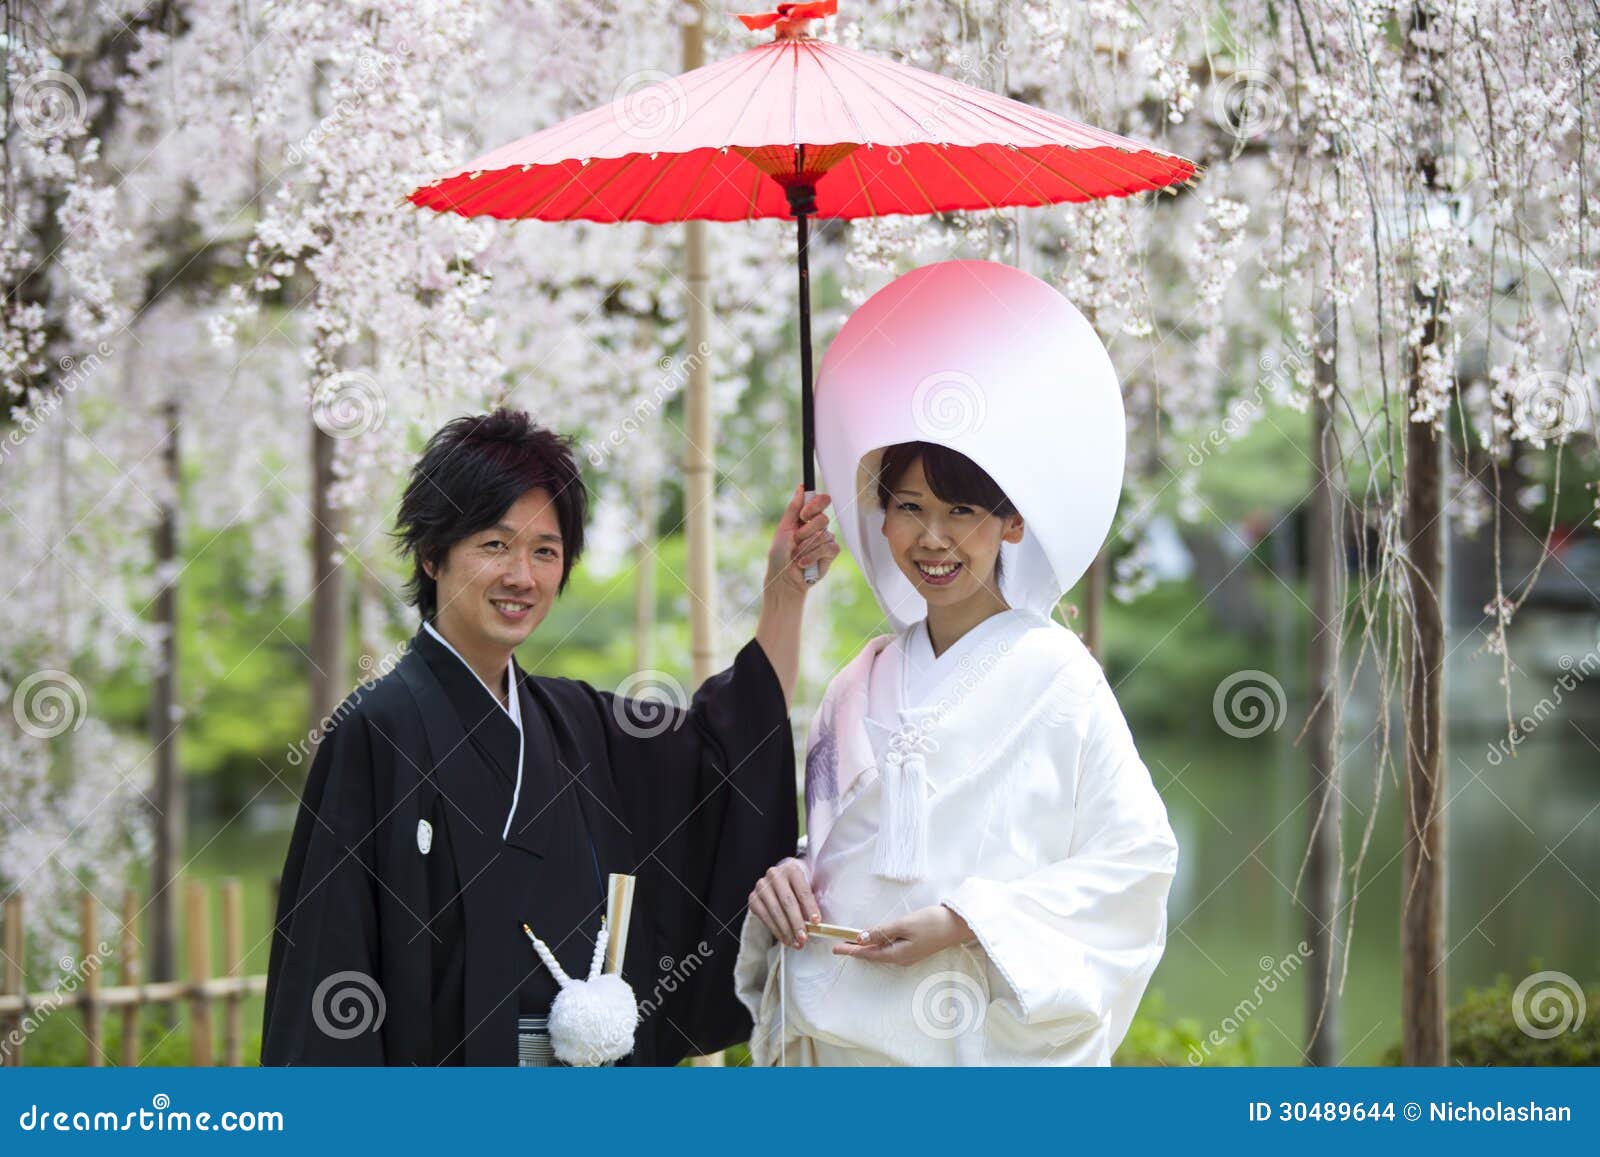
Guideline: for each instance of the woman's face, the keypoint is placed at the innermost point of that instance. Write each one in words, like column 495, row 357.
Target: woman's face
column 947, row 550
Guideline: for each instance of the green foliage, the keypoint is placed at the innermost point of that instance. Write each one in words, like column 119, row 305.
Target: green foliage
column 241, row 671
column 1482, row 1029
column 1166, row 649
column 1153, row 1040
column 58, row 1037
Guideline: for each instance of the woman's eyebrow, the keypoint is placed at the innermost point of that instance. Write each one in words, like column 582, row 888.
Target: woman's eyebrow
column 913, row 493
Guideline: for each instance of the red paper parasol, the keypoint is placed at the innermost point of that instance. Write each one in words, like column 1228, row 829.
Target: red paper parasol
column 805, row 128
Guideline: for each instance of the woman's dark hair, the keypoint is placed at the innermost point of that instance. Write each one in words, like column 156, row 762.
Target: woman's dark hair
column 951, row 475
column 469, row 475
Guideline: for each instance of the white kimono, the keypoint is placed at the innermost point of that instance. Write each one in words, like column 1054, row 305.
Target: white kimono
column 1011, row 791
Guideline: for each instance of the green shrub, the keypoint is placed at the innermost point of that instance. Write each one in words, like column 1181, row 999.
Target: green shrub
column 1182, row 1043
column 1483, row 1030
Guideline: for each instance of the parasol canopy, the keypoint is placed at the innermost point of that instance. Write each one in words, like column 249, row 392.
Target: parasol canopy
column 806, row 128
column 873, row 137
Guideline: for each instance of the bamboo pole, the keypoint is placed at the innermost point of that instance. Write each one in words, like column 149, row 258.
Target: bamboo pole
column 130, row 978
column 233, row 965
column 197, row 938
column 699, row 465
column 12, row 978
column 699, row 459
column 89, row 964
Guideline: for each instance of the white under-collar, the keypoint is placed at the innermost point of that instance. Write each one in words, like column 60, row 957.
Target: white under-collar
column 512, row 707
column 923, row 671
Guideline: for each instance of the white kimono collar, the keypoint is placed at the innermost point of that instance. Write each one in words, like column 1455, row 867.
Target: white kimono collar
column 922, row 671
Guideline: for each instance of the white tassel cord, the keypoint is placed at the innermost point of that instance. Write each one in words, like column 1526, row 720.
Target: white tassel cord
column 902, row 848
column 592, row 1021
column 549, row 958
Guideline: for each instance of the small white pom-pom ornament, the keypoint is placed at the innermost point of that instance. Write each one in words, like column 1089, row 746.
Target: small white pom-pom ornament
column 591, row 1021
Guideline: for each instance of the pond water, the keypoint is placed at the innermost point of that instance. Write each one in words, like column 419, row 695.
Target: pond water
column 1522, row 840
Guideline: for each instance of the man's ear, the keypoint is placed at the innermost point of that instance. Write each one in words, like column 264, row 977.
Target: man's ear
column 1014, row 527
column 430, row 570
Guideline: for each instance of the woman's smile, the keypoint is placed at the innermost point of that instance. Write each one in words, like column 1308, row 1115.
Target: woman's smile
column 938, row 574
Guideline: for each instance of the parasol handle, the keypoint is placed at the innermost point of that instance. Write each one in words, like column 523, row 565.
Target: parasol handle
column 812, row 571
column 802, row 203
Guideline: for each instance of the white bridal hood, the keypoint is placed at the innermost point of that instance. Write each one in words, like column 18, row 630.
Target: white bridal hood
column 996, row 364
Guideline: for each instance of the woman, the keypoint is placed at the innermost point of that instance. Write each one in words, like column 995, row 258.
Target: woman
column 975, row 804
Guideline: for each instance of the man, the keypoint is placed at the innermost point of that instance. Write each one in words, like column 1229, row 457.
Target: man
column 458, row 798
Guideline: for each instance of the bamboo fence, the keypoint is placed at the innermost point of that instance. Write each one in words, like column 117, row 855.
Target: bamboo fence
column 93, row 1001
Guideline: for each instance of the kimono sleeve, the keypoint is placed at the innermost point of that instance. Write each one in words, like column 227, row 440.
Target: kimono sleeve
column 323, row 978
column 712, row 804
column 1077, row 940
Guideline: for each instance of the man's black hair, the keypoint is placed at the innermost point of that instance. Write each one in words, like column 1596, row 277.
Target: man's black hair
column 952, row 476
column 469, row 475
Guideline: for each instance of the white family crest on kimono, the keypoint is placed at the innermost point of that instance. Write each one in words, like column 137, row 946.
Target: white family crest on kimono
column 1038, row 824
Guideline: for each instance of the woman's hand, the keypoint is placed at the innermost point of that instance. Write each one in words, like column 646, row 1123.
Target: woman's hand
column 911, row 938
column 782, row 901
column 802, row 538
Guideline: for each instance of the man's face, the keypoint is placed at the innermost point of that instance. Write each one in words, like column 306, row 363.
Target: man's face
column 496, row 586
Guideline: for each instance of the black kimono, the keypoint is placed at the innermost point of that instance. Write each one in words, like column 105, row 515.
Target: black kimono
column 696, row 804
